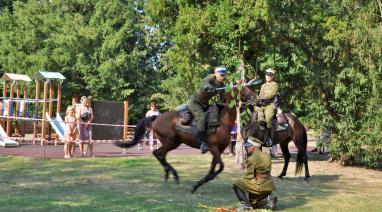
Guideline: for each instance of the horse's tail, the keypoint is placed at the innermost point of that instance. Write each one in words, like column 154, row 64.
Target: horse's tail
column 301, row 140
column 139, row 132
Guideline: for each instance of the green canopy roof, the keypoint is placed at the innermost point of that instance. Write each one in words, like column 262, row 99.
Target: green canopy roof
column 44, row 75
column 15, row 77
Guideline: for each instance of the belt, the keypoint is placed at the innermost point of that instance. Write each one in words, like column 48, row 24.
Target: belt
column 263, row 175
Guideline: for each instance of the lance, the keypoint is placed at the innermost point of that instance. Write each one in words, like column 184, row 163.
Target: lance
column 250, row 83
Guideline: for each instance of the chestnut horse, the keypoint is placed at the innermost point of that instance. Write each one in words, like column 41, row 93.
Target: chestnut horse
column 170, row 138
column 295, row 131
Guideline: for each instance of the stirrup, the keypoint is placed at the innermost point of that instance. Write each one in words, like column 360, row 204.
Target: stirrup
column 204, row 148
column 268, row 142
column 271, row 202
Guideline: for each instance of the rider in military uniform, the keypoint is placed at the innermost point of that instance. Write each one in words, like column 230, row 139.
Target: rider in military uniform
column 266, row 109
column 198, row 103
column 257, row 182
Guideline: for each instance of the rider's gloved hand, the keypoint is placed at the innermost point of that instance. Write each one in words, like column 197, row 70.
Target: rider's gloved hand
column 263, row 102
column 210, row 89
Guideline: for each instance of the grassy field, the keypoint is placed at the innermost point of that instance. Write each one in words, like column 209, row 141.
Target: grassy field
column 136, row 184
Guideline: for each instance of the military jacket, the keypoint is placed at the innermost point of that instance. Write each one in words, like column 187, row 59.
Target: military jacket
column 269, row 90
column 203, row 95
column 258, row 162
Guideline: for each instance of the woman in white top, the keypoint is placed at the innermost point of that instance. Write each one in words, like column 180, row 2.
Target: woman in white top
column 152, row 112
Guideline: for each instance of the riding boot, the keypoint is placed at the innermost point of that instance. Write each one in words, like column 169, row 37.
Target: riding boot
column 243, row 198
column 201, row 136
column 271, row 202
column 269, row 140
column 266, row 135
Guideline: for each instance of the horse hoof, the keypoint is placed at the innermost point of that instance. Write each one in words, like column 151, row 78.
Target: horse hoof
column 281, row 177
column 307, row 179
column 193, row 189
column 176, row 180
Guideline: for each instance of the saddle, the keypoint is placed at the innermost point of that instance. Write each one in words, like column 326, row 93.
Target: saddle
column 186, row 121
column 279, row 121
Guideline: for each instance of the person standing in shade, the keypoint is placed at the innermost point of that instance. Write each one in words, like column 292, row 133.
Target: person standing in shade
column 152, row 112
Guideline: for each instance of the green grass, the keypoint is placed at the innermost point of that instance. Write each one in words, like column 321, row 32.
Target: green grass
column 136, row 184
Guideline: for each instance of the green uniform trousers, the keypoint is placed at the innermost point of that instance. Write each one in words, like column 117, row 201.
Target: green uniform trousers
column 197, row 111
column 255, row 188
column 258, row 162
column 265, row 114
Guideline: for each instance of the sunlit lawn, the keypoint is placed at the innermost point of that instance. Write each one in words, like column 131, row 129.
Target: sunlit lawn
column 136, row 184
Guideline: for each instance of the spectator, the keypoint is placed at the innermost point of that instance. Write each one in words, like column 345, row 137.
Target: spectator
column 70, row 131
column 85, row 117
column 150, row 134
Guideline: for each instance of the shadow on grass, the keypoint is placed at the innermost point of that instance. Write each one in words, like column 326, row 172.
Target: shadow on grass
column 311, row 157
column 294, row 191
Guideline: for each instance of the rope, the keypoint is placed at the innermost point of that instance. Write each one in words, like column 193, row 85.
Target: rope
column 30, row 100
column 39, row 139
column 36, row 119
column 216, row 209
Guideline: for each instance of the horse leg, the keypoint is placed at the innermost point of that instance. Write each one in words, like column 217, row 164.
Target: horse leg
column 286, row 154
column 212, row 173
column 160, row 154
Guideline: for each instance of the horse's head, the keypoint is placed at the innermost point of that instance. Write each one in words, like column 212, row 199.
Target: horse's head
column 244, row 94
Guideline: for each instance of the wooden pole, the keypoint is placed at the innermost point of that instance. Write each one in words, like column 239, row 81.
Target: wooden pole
column 50, row 109
column 5, row 89
column 241, row 154
column 59, row 96
column 125, row 119
column 9, row 108
column 35, row 124
column 44, row 112
column 25, row 112
column 3, row 103
column 74, row 101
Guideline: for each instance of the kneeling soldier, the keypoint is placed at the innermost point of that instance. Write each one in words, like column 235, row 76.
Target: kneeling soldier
column 257, row 182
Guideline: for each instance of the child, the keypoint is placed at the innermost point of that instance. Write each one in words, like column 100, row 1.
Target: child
column 70, row 131
column 85, row 116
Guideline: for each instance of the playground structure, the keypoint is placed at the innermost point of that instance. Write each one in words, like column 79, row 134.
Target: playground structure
column 8, row 108
column 16, row 108
column 48, row 79
column 16, row 112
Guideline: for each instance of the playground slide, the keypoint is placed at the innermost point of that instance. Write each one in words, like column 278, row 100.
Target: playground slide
column 4, row 140
column 57, row 124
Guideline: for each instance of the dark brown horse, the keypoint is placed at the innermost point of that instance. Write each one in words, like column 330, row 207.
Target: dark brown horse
column 164, row 129
column 296, row 132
